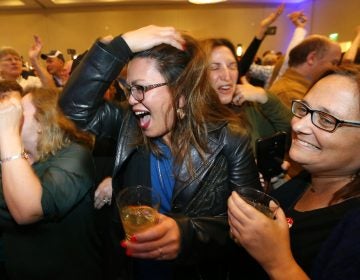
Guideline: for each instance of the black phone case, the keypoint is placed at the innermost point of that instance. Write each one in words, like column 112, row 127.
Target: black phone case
column 270, row 152
column 271, row 30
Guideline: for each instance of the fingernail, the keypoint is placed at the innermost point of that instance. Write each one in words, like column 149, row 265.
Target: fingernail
column 290, row 221
column 123, row 244
column 133, row 238
column 128, row 252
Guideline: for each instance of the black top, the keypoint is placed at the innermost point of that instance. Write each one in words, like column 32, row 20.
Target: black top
column 310, row 229
column 322, row 240
column 248, row 57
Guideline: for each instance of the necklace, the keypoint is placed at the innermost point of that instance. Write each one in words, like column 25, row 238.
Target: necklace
column 313, row 190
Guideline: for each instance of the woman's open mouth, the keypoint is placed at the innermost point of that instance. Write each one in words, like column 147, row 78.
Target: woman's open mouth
column 143, row 118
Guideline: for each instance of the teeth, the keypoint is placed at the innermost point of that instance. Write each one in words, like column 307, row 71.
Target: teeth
column 307, row 144
column 141, row 114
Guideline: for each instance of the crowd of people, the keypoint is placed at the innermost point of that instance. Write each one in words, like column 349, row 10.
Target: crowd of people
column 160, row 108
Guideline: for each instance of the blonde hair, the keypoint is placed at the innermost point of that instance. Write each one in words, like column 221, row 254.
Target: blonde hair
column 57, row 131
column 8, row 50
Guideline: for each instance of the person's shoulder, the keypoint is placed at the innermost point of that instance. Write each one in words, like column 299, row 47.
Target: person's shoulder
column 70, row 154
column 75, row 146
column 225, row 132
column 74, row 158
column 279, row 85
column 236, row 139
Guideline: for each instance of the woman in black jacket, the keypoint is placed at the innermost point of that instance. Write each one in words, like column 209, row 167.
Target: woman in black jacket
column 173, row 135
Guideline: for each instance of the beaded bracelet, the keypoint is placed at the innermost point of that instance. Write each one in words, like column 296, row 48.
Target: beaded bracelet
column 23, row 155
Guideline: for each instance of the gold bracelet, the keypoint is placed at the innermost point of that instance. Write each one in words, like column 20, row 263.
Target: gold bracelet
column 23, row 155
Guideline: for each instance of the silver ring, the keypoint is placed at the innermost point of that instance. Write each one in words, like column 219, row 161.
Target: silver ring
column 106, row 200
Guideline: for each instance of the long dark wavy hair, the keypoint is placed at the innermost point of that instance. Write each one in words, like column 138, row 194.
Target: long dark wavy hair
column 208, row 45
column 186, row 75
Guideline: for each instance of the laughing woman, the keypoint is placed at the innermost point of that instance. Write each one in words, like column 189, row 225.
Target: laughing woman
column 174, row 136
column 323, row 204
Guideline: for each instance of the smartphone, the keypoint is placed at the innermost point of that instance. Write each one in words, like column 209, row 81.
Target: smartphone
column 271, row 30
column 270, row 152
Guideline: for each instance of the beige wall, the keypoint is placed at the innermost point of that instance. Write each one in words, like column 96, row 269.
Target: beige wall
column 78, row 29
column 341, row 16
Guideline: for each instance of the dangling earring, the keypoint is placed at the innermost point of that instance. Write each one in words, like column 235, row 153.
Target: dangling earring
column 180, row 113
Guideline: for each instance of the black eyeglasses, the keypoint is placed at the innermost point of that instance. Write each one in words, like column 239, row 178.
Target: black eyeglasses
column 138, row 91
column 320, row 119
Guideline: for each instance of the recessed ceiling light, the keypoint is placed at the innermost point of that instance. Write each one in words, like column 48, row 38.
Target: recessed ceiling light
column 12, row 3
column 206, row 1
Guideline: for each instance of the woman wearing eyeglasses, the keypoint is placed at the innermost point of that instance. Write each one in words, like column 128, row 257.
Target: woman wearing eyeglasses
column 176, row 137
column 318, row 235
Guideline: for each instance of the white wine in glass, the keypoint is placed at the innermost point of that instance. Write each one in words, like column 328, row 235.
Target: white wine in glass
column 137, row 218
column 138, row 208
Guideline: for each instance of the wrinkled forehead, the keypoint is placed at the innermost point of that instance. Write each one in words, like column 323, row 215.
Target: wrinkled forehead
column 337, row 94
column 221, row 53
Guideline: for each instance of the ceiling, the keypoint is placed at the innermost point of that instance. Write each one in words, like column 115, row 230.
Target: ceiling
column 14, row 5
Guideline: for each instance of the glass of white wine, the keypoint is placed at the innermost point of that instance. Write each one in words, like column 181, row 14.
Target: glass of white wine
column 138, row 208
column 260, row 200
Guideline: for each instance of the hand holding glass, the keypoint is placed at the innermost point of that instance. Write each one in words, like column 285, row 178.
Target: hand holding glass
column 260, row 200
column 138, row 208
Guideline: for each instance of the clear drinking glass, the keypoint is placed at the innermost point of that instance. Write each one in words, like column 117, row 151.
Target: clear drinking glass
column 260, row 200
column 138, row 208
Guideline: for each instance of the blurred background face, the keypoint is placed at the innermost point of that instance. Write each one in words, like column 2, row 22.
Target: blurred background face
column 10, row 67
column 155, row 113
column 270, row 58
column 65, row 71
column 223, row 73
column 322, row 152
column 54, row 66
column 330, row 58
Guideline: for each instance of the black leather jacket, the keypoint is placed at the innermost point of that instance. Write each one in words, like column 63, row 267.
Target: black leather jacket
column 199, row 203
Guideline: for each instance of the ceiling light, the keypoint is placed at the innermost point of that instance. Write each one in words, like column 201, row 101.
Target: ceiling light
column 12, row 3
column 206, row 1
